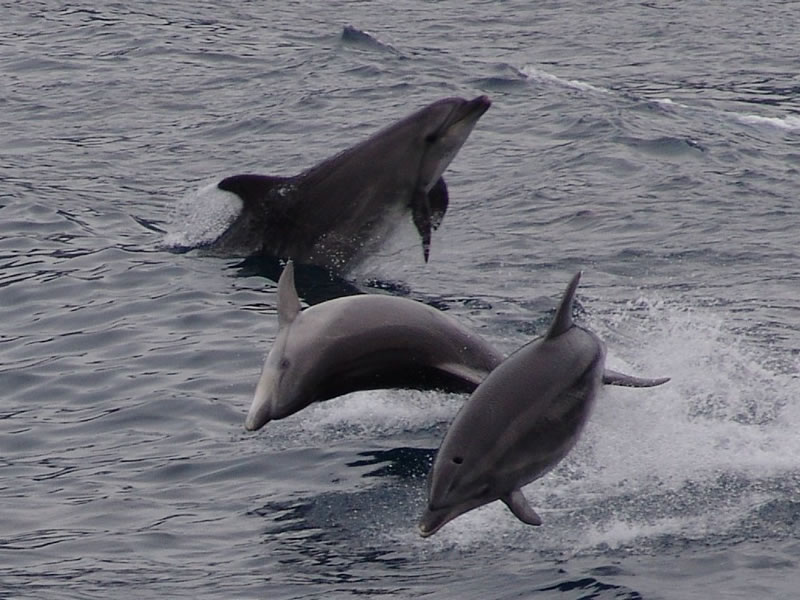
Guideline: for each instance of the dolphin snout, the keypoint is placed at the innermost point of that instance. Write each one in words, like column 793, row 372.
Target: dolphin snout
column 261, row 412
column 481, row 101
column 255, row 421
column 432, row 521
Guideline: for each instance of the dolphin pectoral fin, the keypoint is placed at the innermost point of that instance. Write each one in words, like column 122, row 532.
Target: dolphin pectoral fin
column 288, row 300
column 519, row 506
column 470, row 378
column 421, row 214
column 438, row 199
column 616, row 378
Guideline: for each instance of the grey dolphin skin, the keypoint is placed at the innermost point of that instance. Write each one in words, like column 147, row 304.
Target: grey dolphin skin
column 520, row 422
column 336, row 213
column 359, row 343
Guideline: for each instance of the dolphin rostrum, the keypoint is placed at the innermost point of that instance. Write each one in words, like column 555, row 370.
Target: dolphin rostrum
column 524, row 417
column 336, row 213
column 359, row 343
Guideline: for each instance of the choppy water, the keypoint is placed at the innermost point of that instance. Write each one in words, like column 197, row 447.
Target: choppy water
column 655, row 145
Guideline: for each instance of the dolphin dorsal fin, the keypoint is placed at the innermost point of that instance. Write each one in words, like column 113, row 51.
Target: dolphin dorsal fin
column 562, row 322
column 288, row 301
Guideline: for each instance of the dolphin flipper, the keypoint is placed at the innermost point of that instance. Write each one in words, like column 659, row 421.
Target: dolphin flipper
column 616, row 378
column 421, row 215
column 467, row 378
column 427, row 212
column 438, row 198
column 518, row 505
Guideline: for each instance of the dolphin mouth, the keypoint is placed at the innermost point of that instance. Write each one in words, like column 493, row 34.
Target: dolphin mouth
column 256, row 419
column 261, row 411
column 471, row 110
column 252, row 423
column 433, row 520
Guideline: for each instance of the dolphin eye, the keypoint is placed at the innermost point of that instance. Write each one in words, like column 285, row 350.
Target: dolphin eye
column 458, row 460
column 285, row 363
column 431, row 138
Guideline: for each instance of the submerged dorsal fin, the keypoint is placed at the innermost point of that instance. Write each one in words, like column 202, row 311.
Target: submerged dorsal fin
column 288, row 300
column 562, row 322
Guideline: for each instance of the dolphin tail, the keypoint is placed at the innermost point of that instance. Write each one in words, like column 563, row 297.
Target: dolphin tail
column 562, row 322
column 288, row 300
column 518, row 505
column 616, row 378
column 427, row 211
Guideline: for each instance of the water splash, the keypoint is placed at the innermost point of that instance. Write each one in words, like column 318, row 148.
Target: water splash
column 709, row 457
column 201, row 217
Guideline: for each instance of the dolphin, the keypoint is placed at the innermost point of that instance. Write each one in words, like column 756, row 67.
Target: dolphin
column 336, row 213
column 524, row 417
column 363, row 342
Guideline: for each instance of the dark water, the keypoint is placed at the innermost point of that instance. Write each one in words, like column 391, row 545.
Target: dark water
column 655, row 145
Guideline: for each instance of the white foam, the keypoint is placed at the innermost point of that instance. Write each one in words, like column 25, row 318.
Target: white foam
column 668, row 102
column 723, row 411
column 201, row 217
column 378, row 413
column 787, row 123
column 540, row 75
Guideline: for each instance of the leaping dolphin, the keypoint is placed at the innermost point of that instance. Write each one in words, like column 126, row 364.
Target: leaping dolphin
column 359, row 343
column 520, row 422
column 336, row 213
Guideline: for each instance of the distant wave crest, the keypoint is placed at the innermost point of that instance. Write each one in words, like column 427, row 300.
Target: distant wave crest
column 539, row 75
column 790, row 122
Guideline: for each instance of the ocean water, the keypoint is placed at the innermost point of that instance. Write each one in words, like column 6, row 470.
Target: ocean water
column 654, row 145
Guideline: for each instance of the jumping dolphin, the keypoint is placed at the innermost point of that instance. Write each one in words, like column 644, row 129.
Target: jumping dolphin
column 336, row 213
column 359, row 343
column 520, row 422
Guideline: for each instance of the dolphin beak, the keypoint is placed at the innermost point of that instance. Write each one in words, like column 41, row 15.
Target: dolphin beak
column 468, row 111
column 480, row 105
column 260, row 412
column 432, row 521
column 256, row 419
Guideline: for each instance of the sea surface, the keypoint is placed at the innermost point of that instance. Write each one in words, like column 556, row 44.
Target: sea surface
column 654, row 145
